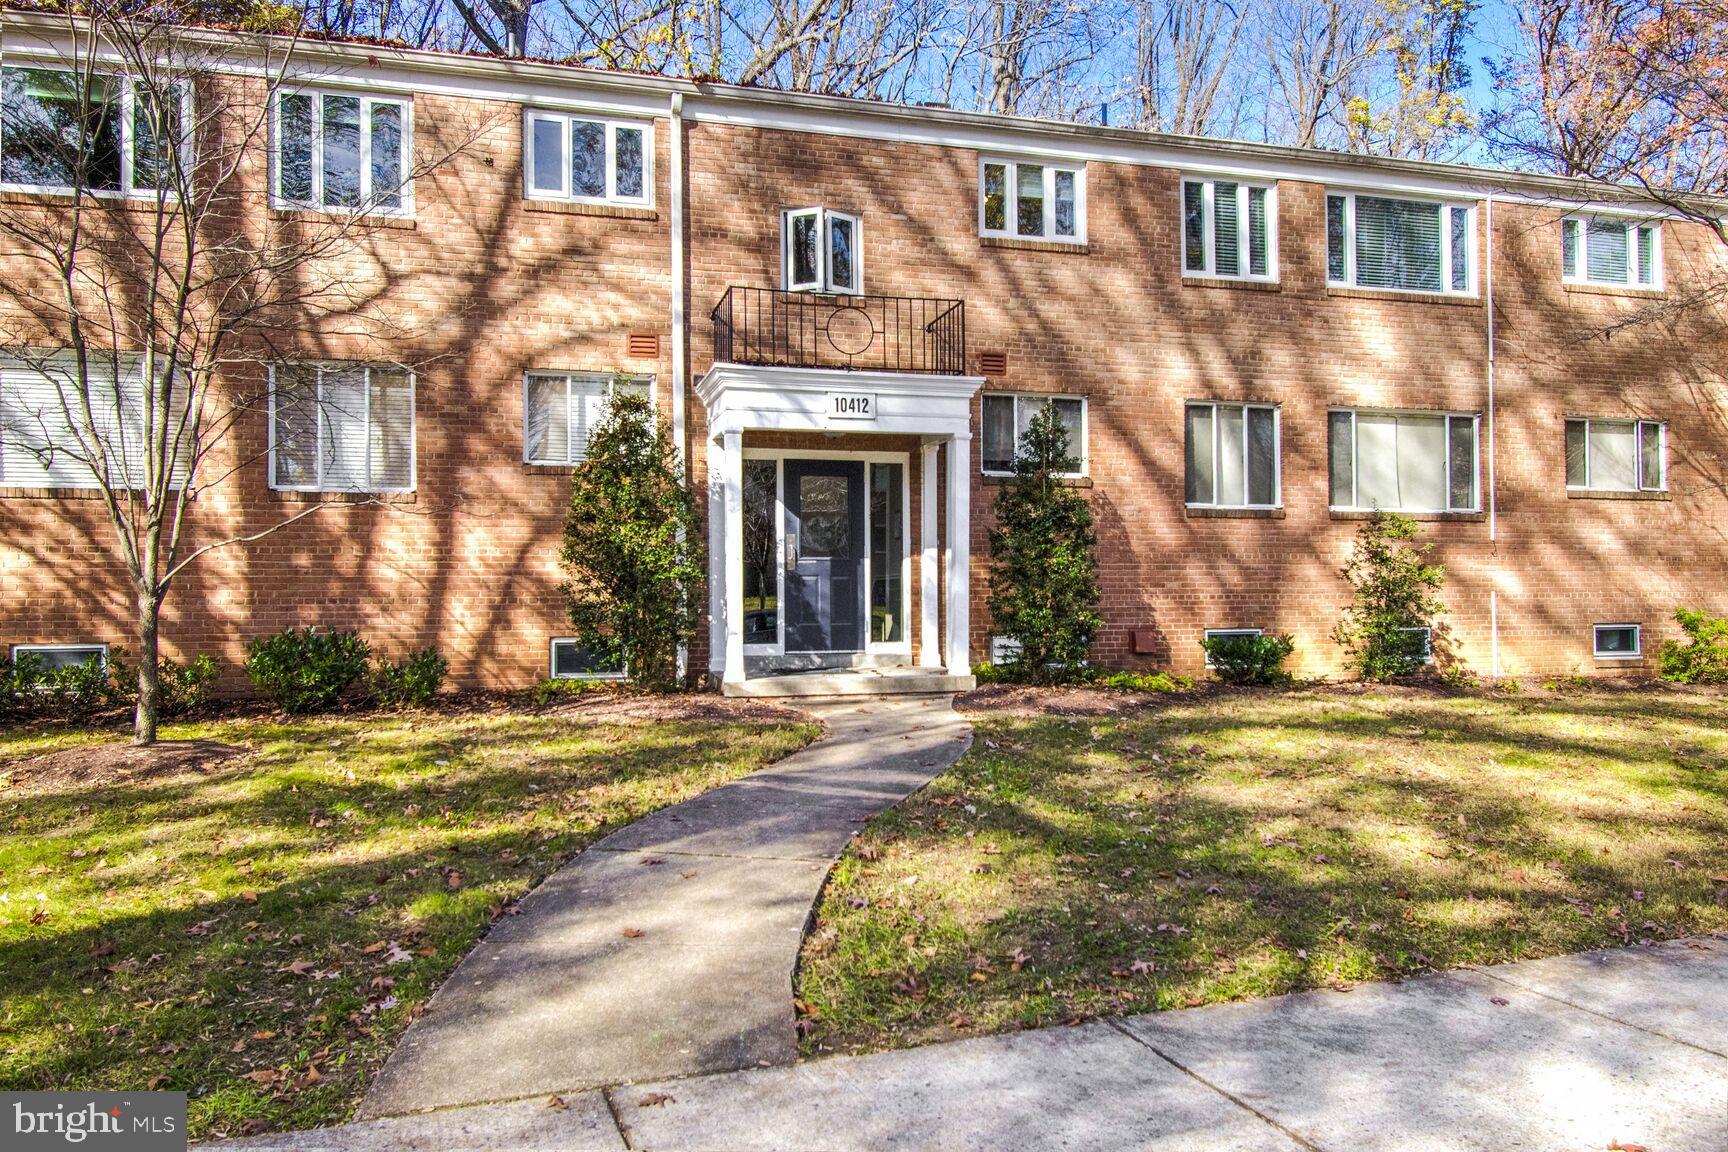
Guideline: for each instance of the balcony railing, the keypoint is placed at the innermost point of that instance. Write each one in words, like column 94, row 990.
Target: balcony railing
column 871, row 333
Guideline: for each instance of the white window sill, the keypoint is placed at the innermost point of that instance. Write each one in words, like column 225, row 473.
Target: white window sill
column 1619, row 655
column 1220, row 278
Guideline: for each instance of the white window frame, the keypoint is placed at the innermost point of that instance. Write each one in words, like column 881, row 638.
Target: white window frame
column 1085, row 452
column 1208, row 233
column 101, row 650
column 1638, row 427
column 612, row 125
column 823, row 284
column 128, row 125
column 1209, row 633
column 1356, row 458
column 1011, row 198
column 327, row 365
column 552, row 672
column 1217, row 446
column 1471, row 272
column 612, row 380
column 1579, row 223
column 367, row 204
column 1637, row 652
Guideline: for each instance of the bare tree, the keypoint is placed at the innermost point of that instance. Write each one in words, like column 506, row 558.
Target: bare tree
column 1413, row 103
column 1184, row 52
column 1316, row 52
column 150, row 298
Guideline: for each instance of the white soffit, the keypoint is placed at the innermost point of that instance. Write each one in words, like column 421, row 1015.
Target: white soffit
column 749, row 397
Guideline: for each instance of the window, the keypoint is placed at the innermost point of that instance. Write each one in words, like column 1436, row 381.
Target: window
column 1211, row 633
column 1006, row 418
column 341, row 152
column 1616, row 455
column 341, row 428
column 60, row 130
column 1032, row 200
column 1228, row 229
column 45, row 439
column 56, row 656
column 584, row 159
column 1232, row 455
column 1618, row 641
column 1403, row 461
column 887, row 519
column 560, row 411
column 1610, row 250
column 821, row 251
column 1405, row 245
column 1427, row 634
column 571, row 660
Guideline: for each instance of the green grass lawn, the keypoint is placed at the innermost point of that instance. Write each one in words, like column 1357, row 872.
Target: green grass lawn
column 260, row 933
column 1244, row 844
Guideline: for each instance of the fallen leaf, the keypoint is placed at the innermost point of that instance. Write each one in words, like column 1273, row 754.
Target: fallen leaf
column 655, row 1099
column 1616, row 1146
column 299, row 967
column 1501, row 1001
column 634, row 933
column 556, row 1103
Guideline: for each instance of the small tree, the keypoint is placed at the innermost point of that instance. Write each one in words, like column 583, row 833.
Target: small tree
column 1396, row 597
column 635, row 575
column 1043, row 567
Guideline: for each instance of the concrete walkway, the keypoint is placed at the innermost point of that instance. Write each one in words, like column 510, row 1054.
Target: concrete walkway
column 667, row 949
column 1576, row 1053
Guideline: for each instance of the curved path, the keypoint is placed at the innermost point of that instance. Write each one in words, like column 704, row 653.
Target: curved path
column 667, row 949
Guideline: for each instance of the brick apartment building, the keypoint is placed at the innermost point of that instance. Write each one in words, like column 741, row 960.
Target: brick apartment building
column 845, row 309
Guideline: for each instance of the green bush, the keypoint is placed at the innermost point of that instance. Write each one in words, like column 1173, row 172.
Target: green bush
column 305, row 670
column 1146, row 681
column 411, row 682
column 1703, row 659
column 1249, row 659
column 631, row 551
column 1043, row 564
column 1396, row 594
column 554, row 688
column 185, row 687
column 30, row 690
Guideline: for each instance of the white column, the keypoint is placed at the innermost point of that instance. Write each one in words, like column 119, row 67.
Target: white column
column 929, row 574
column 716, row 561
column 959, row 554
column 732, row 481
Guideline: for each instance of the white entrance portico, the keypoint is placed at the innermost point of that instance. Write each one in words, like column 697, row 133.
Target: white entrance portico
column 829, row 566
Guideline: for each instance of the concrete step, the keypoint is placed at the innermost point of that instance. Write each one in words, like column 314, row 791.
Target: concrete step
column 852, row 682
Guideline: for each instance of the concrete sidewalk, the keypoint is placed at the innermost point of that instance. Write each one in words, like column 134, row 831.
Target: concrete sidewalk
column 1569, row 1054
column 667, row 949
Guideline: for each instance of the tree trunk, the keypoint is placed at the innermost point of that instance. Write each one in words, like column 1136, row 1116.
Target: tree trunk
column 149, row 670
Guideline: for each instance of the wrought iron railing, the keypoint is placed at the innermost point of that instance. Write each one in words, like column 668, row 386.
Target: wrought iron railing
column 805, row 330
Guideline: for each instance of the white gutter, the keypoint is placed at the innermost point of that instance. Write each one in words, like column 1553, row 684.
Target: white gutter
column 676, row 211
column 1493, row 496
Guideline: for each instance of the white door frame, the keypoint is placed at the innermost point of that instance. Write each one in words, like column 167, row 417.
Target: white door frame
column 902, row 647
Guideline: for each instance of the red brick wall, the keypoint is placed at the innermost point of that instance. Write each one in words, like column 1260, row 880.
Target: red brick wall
column 469, row 561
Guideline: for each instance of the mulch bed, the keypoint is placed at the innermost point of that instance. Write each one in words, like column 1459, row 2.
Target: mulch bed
column 643, row 708
column 1060, row 700
column 121, row 762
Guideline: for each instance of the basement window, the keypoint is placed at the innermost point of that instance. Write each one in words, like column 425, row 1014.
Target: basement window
column 1618, row 641
column 57, row 656
column 572, row 660
column 1214, row 633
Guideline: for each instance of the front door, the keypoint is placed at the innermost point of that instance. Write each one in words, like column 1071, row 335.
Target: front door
column 825, row 553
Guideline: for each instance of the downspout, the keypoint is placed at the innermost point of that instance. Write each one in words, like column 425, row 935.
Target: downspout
column 675, row 210
column 678, row 334
column 1493, row 498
